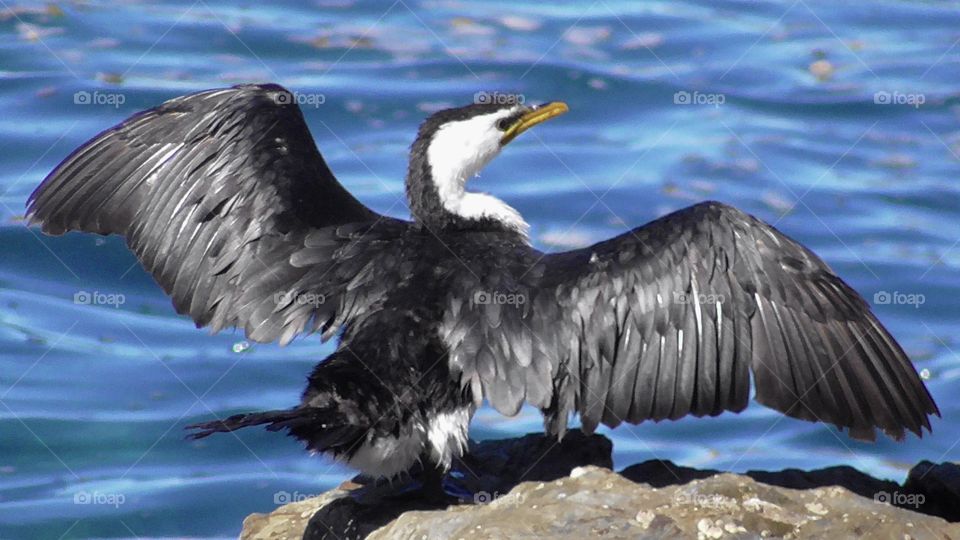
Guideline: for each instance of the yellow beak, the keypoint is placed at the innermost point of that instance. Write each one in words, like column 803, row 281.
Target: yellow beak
column 536, row 116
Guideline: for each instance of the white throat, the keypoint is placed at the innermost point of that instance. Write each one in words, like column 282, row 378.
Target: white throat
column 457, row 153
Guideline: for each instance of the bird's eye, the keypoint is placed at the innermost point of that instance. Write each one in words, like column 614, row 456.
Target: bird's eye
column 503, row 124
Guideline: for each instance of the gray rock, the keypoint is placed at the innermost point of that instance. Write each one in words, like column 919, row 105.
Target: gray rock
column 568, row 491
column 598, row 503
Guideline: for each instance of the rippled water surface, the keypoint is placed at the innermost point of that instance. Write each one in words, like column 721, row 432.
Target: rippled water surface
column 837, row 123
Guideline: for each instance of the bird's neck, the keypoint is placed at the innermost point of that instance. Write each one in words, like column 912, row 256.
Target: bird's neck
column 438, row 198
column 482, row 207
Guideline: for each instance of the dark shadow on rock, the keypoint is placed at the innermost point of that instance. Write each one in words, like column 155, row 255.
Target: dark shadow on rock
column 489, row 470
column 930, row 488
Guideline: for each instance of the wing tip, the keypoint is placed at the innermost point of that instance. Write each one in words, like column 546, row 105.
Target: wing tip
column 36, row 217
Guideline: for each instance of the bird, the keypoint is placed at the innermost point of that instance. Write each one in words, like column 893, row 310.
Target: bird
column 226, row 200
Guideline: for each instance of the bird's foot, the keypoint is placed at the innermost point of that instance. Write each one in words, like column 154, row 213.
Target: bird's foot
column 438, row 487
column 428, row 488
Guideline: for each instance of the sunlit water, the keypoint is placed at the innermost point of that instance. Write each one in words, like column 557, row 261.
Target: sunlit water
column 859, row 163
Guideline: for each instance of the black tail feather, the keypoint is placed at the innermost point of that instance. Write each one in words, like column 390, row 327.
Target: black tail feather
column 277, row 420
column 321, row 428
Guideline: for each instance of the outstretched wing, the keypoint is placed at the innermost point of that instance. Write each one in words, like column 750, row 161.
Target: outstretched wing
column 225, row 199
column 671, row 318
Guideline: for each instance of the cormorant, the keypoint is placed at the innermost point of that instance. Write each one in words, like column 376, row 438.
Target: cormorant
column 225, row 199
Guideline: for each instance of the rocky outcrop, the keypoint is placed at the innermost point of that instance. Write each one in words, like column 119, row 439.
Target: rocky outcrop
column 569, row 491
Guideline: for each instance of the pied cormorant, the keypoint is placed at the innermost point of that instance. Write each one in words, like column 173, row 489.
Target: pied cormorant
column 225, row 199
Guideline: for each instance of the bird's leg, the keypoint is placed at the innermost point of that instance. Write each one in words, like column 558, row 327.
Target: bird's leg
column 431, row 485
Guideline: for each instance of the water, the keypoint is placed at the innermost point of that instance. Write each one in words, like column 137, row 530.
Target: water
column 93, row 398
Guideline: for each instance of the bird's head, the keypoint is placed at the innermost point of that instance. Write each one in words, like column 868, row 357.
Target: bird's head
column 452, row 146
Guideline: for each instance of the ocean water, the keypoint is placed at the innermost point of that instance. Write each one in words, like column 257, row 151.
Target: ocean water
column 838, row 123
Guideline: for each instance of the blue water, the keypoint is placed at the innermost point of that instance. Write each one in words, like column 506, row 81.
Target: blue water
column 93, row 397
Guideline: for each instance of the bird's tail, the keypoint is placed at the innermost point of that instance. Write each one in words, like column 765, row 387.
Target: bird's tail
column 277, row 420
column 321, row 428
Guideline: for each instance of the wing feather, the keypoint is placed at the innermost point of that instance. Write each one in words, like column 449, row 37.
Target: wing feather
column 224, row 198
column 672, row 319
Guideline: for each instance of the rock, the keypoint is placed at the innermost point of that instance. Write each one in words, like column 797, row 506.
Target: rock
column 935, row 487
column 289, row 520
column 490, row 470
column 662, row 473
column 860, row 483
column 535, row 487
column 535, row 457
